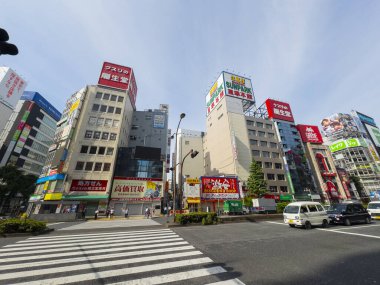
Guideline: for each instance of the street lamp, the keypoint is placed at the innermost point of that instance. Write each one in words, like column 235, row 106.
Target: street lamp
column 175, row 163
column 5, row 47
column 193, row 154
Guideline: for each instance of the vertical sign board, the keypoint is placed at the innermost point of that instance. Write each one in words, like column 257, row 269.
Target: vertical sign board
column 310, row 134
column 11, row 86
column 215, row 94
column 279, row 110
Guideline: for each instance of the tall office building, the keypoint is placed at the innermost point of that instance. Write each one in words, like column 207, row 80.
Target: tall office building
column 78, row 173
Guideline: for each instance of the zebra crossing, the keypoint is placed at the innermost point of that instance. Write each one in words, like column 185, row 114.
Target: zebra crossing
column 120, row 223
column 157, row 256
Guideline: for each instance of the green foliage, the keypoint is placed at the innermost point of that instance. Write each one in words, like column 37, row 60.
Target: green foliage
column 281, row 206
column 247, row 201
column 257, row 186
column 196, row 217
column 209, row 219
column 21, row 226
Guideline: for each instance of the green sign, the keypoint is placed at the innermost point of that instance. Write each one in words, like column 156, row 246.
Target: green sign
column 344, row 144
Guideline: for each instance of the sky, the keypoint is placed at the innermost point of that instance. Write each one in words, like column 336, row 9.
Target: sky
column 322, row 57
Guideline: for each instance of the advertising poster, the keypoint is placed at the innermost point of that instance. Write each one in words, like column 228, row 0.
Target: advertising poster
column 192, row 188
column 279, row 110
column 219, row 188
column 310, row 134
column 88, row 185
column 339, row 124
column 115, row 76
column 130, row 189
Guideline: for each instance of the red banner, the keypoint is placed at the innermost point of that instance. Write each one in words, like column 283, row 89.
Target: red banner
column 310, row 134
column 279, row 110
column 88, row 185
column 115, row 76
column 219, row 188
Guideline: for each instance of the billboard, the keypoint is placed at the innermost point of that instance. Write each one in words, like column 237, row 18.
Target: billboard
column 374, row 132
column 158, row 121
column 132, row 189
column 339, row 125
column 115, row 76
column 42, row 103
column 231, row 85
column 343, row 144
column 310, row 134
column 279, row 110
column 88, row 185
column 219, row 188
column 11, row 86
column 192, row 188
column 365, row 119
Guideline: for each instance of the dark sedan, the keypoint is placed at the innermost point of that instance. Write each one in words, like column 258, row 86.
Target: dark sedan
column 348, row 213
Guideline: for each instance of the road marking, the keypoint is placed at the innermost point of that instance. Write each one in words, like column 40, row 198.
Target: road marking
column 55, row 223
column 354, row 234
column 277, row 223
column 118, row 272
column 353, row 228
column 97, row 265
column 163, row 279
column 103, row 250
column 228, row 282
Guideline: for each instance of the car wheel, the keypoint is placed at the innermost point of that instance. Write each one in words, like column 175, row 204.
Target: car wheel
column 367, row 220
column 307, row 225
column 325, row 224
column 292, row 226
column 347, row 222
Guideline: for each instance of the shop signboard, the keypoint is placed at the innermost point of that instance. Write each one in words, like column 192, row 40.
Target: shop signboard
column 88, row 185
column 131, row 189
column 365, row 119
column 42, row 103
column 215, row 94
column 238, row 86
column 158, row 121
column 11, row 86
column 53, row 197
column 192, row 188
column 219, row 187
column 279, row 110
column 343, row 144
column 310, row 134
column 115, row 76
column 374, row 132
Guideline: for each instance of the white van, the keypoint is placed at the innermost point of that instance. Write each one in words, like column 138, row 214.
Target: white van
column 306, row 214
column 374, row 210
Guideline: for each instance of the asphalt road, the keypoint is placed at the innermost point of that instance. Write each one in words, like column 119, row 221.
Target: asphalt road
column 272, row 253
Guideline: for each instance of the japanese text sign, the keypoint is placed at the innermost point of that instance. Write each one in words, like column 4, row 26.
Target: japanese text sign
column 11, row 86
column 89, row 185
column 115, row 76
column 219, row 188
column 279, row 110
column 310, row 134
column 130, row 189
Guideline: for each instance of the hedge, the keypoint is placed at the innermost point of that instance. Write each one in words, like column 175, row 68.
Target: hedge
column 205, row 218
column 21, row 226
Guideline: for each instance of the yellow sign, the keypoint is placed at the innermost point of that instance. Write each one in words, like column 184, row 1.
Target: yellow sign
column 53, row 196
column 74, row 106
column 193, row 181
column 46, row 185
column 193, row 200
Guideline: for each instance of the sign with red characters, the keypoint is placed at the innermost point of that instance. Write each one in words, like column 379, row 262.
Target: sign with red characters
column 279, row 110
column 310, row 134
column 88, row 185
column 219, row 188
column 115, row 76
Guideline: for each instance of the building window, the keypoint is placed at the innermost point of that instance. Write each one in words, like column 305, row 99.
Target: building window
column 120, row 99
column 253, row 142
column 135, row 127
column 113, row 137
column 263, row 143
column 280, row 177
column 109, row 151
column 113, row 98
column 101, row 150
column 92, row 121
column 84, row 149
column 105, row 136
column 255, row 153
column 106, row 96
column 273, row 188
column 88, row 135
column 270, row 176
column 270, row 135
column 115, row 123
column 273, row 145
column 275, row 155
column 98, row 166
column 100, row 122
column 103, row 108
column 80, row 165
column 98, row 95
column 249, row 123
column 108, row 123
column 89, row 166
column 278, row 165
column 265, row 154
column 259, row 125
column 268, row 164
column 95, row 107
column 93, row 150
column 251, row 132
column 106, row 166
column 118, row 111
column 261, row 134
column 283, row 188
column 268, row 126
column 187, row 142
column 111, row 109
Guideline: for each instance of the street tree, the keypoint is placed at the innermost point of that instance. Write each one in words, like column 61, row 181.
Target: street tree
column 257, row 186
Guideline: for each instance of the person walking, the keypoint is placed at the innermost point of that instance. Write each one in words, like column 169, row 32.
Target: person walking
column 126, row 213
column 96, row 214
column 147, row 212
column 112, row 212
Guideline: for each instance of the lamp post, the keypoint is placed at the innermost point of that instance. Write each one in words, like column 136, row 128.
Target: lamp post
column 175, row 164
column 193, row 154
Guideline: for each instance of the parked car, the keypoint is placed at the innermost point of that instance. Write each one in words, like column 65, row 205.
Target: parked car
column 374, row 210
column 348, row 213
column 305, row 214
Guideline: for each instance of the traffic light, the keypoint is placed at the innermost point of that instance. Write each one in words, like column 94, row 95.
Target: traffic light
column 6, row 48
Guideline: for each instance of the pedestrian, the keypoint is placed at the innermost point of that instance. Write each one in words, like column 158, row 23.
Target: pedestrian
column 108, row 213
column 112, row 212
column 96, row 214
column 84, row 213
column 147, row 212
column 126, row 213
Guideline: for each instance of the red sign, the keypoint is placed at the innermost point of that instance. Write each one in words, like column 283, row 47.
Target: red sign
column 89, row 185
column 219, row 188
column 133, row 90
column 115, row 76
column 310, row 134
column 279, row 110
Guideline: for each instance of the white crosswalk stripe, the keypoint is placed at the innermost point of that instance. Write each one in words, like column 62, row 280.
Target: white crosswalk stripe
column 120, row 257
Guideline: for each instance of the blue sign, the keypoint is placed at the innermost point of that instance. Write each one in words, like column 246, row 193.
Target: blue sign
column 366, row 119
column 58, row 176
column 42, row 103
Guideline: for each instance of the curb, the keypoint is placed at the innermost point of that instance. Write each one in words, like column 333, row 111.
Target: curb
column 27, row 234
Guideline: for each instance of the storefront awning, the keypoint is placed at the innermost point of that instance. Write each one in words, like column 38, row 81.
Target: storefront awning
column 85, row 197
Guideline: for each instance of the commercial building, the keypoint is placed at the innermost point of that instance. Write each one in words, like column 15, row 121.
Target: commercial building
column 96, row 122
column 11, row 88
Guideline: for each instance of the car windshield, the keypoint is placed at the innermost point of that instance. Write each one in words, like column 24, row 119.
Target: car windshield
column 291, row 209
column 337, row 208
column 374, row 206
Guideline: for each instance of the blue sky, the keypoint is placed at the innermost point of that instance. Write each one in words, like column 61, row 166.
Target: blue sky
column 320, row 56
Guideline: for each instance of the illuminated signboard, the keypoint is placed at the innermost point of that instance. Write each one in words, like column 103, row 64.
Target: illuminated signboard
column 310, row 134
column 219, row 188
column 279, row 110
